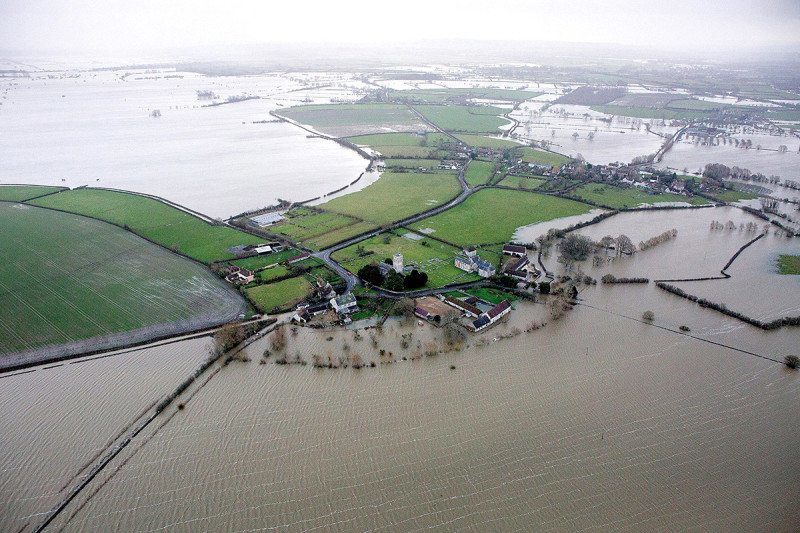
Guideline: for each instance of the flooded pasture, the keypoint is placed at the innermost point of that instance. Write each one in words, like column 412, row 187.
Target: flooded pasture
column 622, row 426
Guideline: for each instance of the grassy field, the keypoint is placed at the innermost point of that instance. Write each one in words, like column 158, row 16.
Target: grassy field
column 154, row 220
column 492, row 216
column 619, row 198
column 398, row 144
column 303, row 223
column 446, row 94
column 479, row 172
column 20, row 193
column 274, row 272
column 351, row 119
column 735, row 196
column 414, row 164
column 281, row 294
column 481, row 141
column 647, row 112
column 261, row 261
column 789, row 264
column 435, row 258
column 695, row 105
column 66, row 278
column 396, row 196
column 468, row 119
column 522, row 182
column 532, row 155
column 491, row 295
column 329, row 239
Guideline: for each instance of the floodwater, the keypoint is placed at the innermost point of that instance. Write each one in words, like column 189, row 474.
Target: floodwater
column 687, row 155
column 96, row 129
column 596, row 421
column 56, row 419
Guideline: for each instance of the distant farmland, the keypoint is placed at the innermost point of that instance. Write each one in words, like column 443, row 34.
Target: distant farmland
column 83, row 284
column 343, row 120
column 154, row 220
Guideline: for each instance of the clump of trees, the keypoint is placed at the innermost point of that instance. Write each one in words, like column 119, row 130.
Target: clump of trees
column 393, row 281
column 576, row 247
column 658, row 239
column 611, row 278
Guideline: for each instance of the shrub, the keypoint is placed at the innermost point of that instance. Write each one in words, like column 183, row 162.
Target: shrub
column 685, row 328
column 648, row 316
column 544, row 287
column 791, row 361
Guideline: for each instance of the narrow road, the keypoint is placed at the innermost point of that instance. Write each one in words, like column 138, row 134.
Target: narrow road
column 349, row 277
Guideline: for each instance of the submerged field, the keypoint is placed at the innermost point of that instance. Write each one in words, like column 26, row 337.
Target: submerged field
column 396, row 196
column 343, row 120
column 154, row 220
column 66, row 278
column 621, row 198
column 492, row 216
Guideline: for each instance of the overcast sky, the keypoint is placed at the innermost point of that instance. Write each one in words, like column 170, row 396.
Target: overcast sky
column 129, row 26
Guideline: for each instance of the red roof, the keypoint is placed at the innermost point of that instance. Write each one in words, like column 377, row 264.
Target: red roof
column 497, row 309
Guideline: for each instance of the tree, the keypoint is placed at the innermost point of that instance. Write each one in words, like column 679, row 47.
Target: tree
column 393, row 281
column 415, row 279
column 625, row 245
column 371, row 273
column 648, row 316
column 544, row 287
column 576, row 247
column 278, row 340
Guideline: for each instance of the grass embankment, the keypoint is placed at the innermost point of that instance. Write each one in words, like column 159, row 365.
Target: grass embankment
column 319, row 229
column 622, row 198
column 352, row 119
column 467, row 119
column 65, row 278
column 434, row 258
column 789, row 264
column 542, row 157
column 396, row 196
column 479, row 172
column 163, row 224
column 20, row 193
column 493, row 215
column 523, row 182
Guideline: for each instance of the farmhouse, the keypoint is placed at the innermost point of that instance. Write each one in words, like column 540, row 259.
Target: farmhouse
column 344, row 304
column 514, row 249
column 306, row 312
column 465, row 307
column 470, row 261
column 491, row 316
column 239, row 276
column 521, row 269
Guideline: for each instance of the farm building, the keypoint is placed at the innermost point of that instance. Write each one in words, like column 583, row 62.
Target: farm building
column 491, row 316
column 470, row 261
column 344, row 304
column 514, row 249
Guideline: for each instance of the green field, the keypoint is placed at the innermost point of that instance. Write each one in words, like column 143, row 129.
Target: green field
column 479, row 172
column 329, row 239
column 154, row 220
column 493, row 215
column 491, row 295
column 396, row 196
column 735, row 196
column 647, row 112
column 281, row 294
column 469, row 119
column 532, row 155
column 621, row 198
column 352, row 119
column 481, row 141
column 20, row 193
column 302, row 224
column 789, row 264
column 261, row 261
column 695, row 105
column 273, row 272
column 435, row 259
column 66, row 278
column 413, row 164
column 522, row 182
column 446, row 94
column 399, row 144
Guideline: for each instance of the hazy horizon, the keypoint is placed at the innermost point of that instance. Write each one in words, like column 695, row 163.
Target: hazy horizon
column 683, row 29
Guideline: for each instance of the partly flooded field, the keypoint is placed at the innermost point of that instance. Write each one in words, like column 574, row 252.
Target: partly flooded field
column 622, row 426
column 96, row 129
column 686, row 155
column 56, row 420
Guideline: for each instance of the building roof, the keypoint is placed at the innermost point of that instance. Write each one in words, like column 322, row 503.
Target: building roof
column 461, row 304
column 497, row 309
column 345, row 299
column 483, row 264
column 514, row 248
column 480, row 322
